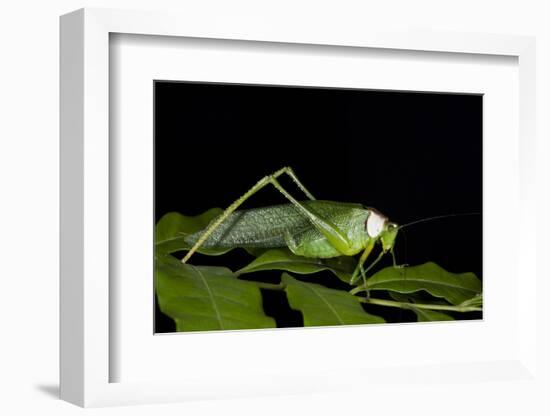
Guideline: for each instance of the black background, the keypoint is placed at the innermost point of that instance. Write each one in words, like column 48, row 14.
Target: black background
column 410, row 155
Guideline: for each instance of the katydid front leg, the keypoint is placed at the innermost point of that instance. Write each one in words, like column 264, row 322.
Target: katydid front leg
column 363, row 271
column 397, row 266
column 332, row 233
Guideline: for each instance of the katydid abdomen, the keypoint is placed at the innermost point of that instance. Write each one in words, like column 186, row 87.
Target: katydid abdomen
column 284, row 226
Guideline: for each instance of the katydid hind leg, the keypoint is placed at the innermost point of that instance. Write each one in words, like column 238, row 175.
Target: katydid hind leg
column 334, row 235
column 290, row 172
column 291, row 242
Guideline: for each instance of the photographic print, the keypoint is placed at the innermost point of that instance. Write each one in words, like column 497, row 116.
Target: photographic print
column 285, row 206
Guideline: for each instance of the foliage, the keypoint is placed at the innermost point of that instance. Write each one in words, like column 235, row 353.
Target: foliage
column 454, row 288
column 206, row 298
column 201, row 298
column 323, row 306
column 283, row 259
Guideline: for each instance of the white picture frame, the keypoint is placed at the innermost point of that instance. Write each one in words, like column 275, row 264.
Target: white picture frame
column 86, row 299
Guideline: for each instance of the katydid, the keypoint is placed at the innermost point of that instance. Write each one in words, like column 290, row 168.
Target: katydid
column 311, row 228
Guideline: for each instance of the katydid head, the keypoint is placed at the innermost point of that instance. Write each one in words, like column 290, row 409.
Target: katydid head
column 388, row 236
column 380, row 228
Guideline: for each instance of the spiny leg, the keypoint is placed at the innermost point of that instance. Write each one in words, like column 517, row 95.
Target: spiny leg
column 293, row 176
column 228, row 211
column 364, row 277
column 362, row 260
column 290, row 241
column 393, row 259
column 364, row 271
column 332, row 233
column 375, row 261
column 397, row 266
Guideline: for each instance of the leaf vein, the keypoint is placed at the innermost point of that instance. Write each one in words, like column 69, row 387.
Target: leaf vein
column 234, row 301
column 422, row 281
column 214, row 305
column 327, row 303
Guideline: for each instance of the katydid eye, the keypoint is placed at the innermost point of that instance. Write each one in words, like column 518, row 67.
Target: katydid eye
column 376, row 223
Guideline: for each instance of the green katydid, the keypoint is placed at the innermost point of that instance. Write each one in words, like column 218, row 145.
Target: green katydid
column 311, row 228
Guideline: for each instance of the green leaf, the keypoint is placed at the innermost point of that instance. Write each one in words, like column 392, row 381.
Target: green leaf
column 423, row 315
column 323, row 306
column 207, row 298
column 453, row 287
column 280, row 259
column 173, row 227
column 255, row 251
column 476, row 301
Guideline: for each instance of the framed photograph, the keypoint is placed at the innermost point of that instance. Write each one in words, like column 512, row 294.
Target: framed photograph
column 268, row 212
column 340, row 142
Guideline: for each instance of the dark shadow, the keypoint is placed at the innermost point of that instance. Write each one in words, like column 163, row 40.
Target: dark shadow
column 51, row 390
